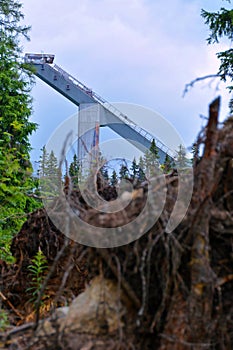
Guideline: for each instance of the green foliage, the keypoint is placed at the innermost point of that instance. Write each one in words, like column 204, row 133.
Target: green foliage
column 37, row 271
column 113, row 179
column 221, row 26
column 10, row 17
column 43, row 162
column 104, row 174
column 4, row 322
column 195, row 152
column 16, row 200
column 124, row 171
column 151, row 160
column 168, row 164
column 141, row 170
column 181, row 160
column 15, row 83
column 75, row 171
column 134, row 169
column 16, row 182
column 48, row 164
column 49, row 175
column 52, row 168
column 226, row 67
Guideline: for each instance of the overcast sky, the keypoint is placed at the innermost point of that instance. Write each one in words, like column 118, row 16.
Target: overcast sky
column 135, row 51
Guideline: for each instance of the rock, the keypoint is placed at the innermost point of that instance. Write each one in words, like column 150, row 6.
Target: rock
column 61, row 312
column 98, row 310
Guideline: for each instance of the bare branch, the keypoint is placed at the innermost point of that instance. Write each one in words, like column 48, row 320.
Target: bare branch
column 5, row 299
column 191, row 84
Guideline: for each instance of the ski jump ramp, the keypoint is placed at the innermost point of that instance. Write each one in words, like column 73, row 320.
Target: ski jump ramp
column 105, row 114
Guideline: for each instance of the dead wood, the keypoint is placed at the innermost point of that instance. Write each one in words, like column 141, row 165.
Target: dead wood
column 179, row 285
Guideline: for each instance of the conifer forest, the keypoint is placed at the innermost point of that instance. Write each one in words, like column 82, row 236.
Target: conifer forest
column 169, row 286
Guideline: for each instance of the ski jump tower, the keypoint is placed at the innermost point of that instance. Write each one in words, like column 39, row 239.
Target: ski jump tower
column 94, row 111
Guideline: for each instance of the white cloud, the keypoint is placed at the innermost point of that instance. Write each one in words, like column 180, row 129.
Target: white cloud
column 139, row 51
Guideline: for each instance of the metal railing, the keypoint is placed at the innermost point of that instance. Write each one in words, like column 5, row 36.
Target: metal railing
column 97, row 98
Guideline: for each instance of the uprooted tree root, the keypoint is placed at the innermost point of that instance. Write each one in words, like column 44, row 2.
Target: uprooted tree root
column 179, row 284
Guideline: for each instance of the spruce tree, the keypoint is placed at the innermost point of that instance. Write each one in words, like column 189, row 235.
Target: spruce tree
column 181, row 160
column 104, row 175
column 123, row 172
column 221, row 27
column 113, row 179
column 141, row 170
column 43, row 163
column 49, row 174
column 16, row 189
column 74, row 171
column 151, row 160
column 168, row 164
column 53, row 168
column 134, row 169
column 15, row 84
column 195, row 152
